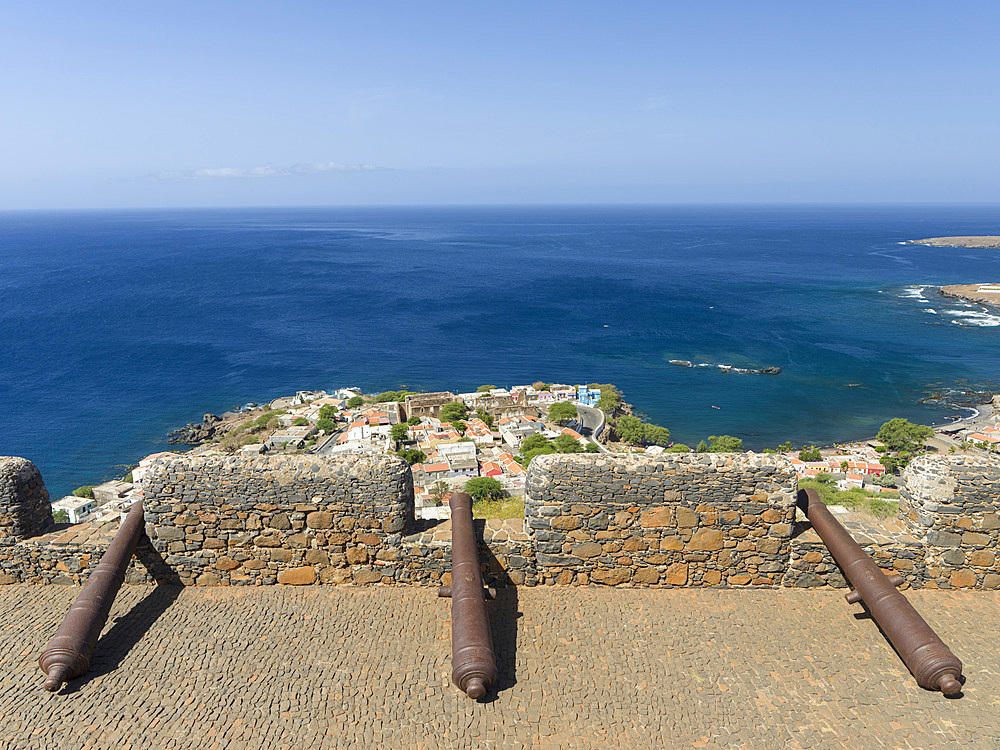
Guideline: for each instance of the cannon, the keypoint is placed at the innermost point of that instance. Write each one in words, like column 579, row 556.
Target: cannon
column 474, row 665
column 930, row 661
column 67, row 655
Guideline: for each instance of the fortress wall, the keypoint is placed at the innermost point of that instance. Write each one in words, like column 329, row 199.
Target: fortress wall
column 278, row 519
column 952, row 504
column 679, row 519
column 24, row 502
column 634, row 520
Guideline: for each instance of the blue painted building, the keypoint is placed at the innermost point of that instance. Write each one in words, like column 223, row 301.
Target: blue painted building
column 587, row 396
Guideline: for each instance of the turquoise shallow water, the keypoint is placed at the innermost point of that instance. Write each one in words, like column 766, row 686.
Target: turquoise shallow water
column 118, row 326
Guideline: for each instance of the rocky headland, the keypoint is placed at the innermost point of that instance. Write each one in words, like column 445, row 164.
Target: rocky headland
column 983, row 294
column 980, row 241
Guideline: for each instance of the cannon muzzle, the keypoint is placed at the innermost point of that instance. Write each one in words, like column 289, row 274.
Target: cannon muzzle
column 68, row 653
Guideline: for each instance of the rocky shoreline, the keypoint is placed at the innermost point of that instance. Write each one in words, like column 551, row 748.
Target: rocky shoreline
column 980, row 241
column 974, row 293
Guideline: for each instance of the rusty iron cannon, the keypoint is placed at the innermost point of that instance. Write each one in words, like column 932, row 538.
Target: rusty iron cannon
column 930, row 661
column 68, row 653
column 474, row 665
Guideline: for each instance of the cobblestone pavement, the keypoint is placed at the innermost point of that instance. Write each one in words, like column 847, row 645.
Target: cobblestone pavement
column 286, row 667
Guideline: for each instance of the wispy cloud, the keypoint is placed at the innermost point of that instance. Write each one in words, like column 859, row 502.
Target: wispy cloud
column 235, row 173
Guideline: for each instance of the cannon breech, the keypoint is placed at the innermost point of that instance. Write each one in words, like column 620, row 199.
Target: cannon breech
column 474, row 667
column 930, row 661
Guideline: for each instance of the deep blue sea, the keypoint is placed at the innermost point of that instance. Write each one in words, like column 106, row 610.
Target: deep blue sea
column 116, row 327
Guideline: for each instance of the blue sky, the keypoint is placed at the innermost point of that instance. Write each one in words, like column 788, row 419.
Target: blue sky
column 215, row 104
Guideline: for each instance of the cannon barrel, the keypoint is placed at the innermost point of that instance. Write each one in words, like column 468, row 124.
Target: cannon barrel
column 474, row 666
column 68, row 653
column 930, row 661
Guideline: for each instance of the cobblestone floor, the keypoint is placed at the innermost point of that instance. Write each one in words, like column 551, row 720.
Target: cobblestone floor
column 322, row 667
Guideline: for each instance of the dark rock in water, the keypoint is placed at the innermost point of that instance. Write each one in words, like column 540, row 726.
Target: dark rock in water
column 728, row 368
column 194, row 434
column 210, row 419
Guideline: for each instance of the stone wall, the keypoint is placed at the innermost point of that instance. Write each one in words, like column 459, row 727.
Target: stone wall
column 679, row 519
column 506, row 550
column 889, row 545
column 25, row 510
column 952, row 505
column 249, row 520
column 632, row 520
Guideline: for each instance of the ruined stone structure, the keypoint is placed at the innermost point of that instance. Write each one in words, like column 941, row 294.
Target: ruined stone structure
column 25, row 509
column 427, row 404
column 634, row 520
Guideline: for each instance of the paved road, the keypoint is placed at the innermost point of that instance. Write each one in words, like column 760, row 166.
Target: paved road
column 282, row 667
column 591, row 420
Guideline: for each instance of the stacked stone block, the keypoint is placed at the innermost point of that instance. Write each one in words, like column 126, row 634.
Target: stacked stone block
column 952, row 505
column 298, row 519
column 25, row 510
column 506, row 551
column 672, row 520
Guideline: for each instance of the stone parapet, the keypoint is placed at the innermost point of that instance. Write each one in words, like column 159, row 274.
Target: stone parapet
column 25, row 510
column 888, row 543
column 678, row 519
column 952, row 505
column 295, row 519
column 505, row 549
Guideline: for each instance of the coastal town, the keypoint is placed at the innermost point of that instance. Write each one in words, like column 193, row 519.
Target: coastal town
column 449, row 438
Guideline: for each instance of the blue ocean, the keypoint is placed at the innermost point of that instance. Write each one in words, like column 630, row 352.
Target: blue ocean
column 117, row 327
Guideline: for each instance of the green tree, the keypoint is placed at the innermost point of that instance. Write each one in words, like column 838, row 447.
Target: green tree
column 610, row 399
column 567, row 444
column 327, row 425
column 562, row 411
column 412, row 456
column 300, row 422
column 485, row 416
column 629, row 429
column 60, row 516
column 413, row 421
column 724, row 444
column 355, row 401
column 439, row 490
column 702, row 447
column 485, row 488
column 399, row 432
column 785, row 447
column 533, row 442
column 902, row 435
column 592, row 448
column 460, row 426
column 810, row 453
column 86, row 491
column 485, row 388
column 452, row 411
column 654, row 434
column 388, row 396
column 886, row 480
column 540, row 385
column 679, row 448
column 327, row 411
